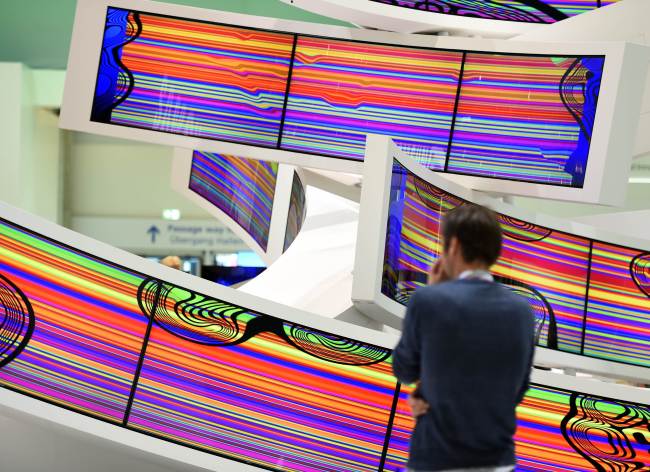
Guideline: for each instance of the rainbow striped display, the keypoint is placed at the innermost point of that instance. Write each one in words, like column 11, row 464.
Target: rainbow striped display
column 515, row 122
column 505, row 116
column 617, row 325
column 343, row 90
column 184, row 367
column 271, row 393
column 589, row 298
column 88, row 328
column 525, row 11
column 297, row 211
column 558, row 431
column 194, row 78
column 556, row 265
column 242, row 188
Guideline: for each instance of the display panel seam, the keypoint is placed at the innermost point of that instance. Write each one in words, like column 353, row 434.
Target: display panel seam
column 586, row 307
column 389, row 427
column 455, row 112
column 143, row 352
column 292, row 62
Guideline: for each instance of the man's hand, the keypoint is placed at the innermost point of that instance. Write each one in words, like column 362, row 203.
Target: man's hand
column 418, row 405
column 437, row 274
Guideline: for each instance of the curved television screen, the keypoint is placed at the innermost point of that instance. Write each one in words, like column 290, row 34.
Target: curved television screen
column 297, row 211
column 155, row 357
column 559, row 429
column 322, row 96
column 589, row 297
column 242, row 188
column 525, row 11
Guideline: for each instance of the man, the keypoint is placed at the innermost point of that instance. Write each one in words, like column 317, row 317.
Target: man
column 468, row 342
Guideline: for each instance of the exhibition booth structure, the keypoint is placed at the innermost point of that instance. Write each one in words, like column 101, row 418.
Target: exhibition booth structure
column 272, row 119
column 141, row 347
column 537, row 119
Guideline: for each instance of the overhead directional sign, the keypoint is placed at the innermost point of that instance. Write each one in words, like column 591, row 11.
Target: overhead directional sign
column 147, row 235
column 153, row 231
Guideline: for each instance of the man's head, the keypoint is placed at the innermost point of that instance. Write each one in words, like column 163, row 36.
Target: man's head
column 471, row 239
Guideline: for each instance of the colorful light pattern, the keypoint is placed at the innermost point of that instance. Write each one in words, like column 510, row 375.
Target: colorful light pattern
column 194, row 78
column 557, row 267
column 617, row 325
column 519, row 117
column 297, row 211
column 261, row 390
column 588, row 301
column 242, row 188
column 558, row 430
column 88, row 327
column 525, row 11
column 251, row 387
column 515, row 122
column 343, row 90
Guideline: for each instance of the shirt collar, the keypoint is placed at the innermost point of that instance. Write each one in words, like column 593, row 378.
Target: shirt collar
column 476, row 274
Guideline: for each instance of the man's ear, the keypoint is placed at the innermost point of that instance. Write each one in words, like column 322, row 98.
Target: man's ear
column 454, row 247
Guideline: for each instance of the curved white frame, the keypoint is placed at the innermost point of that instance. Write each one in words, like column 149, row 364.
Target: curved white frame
column 371, row 241
column 180, row 178
column 613, row 133
column 344, row 185
column 406, row 20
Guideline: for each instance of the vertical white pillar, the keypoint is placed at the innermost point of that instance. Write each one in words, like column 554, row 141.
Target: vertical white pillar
column 30, row 142
column 11, row 143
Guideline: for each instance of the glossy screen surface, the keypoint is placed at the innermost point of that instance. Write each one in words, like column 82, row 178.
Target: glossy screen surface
column 87, row 326
column 342, row 90
column 526, row 118
column 193, row 78
column 588, row 297
column 558, row 430
column 241, row 384
column 525, row 11
column 504, row 116
column 243, row 189
column 297, row 211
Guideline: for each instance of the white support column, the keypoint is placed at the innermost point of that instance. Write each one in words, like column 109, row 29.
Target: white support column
column 11, row 150
column 31, row 150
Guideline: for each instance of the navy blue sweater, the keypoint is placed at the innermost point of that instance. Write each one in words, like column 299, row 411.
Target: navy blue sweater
column 470, row 343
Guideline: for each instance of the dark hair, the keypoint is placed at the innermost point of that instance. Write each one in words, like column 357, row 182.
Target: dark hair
column 478, row 232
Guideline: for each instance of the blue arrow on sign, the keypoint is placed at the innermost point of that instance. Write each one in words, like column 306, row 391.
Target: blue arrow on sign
column 153, row 232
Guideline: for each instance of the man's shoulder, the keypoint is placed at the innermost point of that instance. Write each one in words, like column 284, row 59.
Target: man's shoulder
column 438, row 294
column 435, row 291
column 454, row 290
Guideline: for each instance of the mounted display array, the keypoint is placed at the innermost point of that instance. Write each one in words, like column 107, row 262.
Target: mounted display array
column 100, row 339
column 525, row 11
column 242, row 188
column 322, row 96
column 589, row 297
